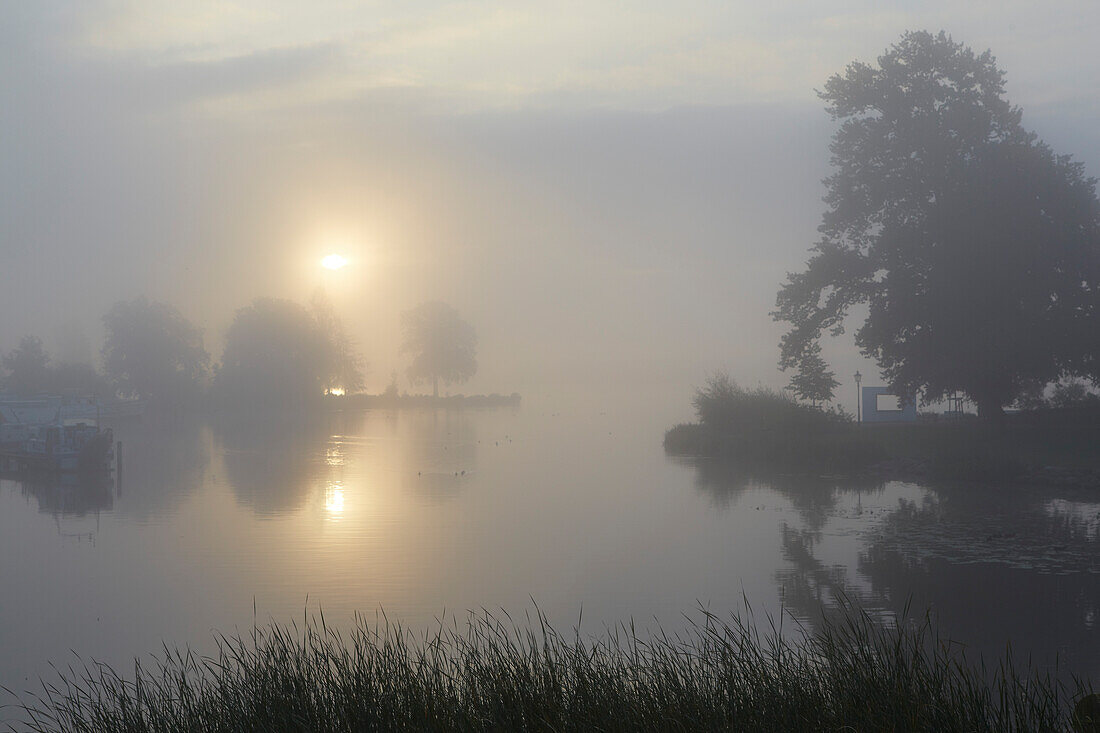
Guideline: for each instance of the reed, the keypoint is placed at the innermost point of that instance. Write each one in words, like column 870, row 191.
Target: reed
column 851, row 673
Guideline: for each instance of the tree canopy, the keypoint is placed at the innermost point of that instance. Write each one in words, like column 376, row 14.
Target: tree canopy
column 28, row 367
column 346, row 366
column 152, row 351
column 277, row 350
column 813, row 381
column 442, row 345
column 974, row 247
column 32, row 371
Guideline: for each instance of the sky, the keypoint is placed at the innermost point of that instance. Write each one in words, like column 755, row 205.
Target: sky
column 610, row 192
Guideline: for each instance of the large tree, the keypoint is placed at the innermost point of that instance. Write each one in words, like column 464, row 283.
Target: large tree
column 442, row 345
column 152, row 351
column 278, row 353
column 974, row 247
column 346, row 371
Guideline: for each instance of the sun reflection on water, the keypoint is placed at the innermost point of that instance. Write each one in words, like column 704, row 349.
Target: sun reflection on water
column 334, row 456
column 334, row 501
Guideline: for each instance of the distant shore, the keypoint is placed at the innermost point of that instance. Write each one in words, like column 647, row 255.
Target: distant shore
column 1050, row 447
column 426, row 400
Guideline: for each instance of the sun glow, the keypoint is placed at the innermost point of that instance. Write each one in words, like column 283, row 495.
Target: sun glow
column 336, row 391
column 333, row 261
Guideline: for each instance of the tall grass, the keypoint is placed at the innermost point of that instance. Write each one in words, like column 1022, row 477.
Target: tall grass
column 850, row 674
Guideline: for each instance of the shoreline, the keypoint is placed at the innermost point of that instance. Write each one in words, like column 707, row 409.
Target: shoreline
column 1018, row 452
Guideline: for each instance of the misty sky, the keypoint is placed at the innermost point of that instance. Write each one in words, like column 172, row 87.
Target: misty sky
column 610, row 192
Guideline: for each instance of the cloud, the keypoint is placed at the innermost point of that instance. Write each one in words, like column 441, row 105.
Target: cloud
column 478, row 54
column 261, row 72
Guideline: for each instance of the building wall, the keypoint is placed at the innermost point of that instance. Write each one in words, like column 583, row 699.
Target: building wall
column 872, row 413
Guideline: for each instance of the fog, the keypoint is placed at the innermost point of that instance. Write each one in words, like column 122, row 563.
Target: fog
column 408, row 308
column 600, row 234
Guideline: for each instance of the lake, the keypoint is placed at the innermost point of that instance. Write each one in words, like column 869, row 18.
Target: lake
column 425, row 514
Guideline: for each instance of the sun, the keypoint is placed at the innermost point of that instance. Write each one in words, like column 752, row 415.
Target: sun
column 334, row 261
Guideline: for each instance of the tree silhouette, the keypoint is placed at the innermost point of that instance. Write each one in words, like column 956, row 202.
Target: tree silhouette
column 152, row 351
column 278, row 353
column 1073, row 393
column 813, row 381
column 346, row 369
column 28, row 367
column 79, row 377
column 443, row 346
column 32, row 371
column 975, row 248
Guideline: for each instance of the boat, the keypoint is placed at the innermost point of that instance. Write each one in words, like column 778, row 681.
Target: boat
column 53, row 434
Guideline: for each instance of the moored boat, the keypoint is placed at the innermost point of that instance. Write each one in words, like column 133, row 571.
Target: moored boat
column 44, row 434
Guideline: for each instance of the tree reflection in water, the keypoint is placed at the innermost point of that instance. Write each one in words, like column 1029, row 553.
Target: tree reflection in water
column 995, row 565
column 813, row 497
column 274, row 462
column 271, row 460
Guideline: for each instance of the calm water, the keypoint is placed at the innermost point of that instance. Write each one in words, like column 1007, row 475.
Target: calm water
column 422, row 513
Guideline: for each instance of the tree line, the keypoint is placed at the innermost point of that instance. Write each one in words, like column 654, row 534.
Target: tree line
column 275, row 350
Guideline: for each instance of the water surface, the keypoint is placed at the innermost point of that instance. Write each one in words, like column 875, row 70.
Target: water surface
column 427, row 514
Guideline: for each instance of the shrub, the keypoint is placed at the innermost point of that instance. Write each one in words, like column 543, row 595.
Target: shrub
column 724, row 406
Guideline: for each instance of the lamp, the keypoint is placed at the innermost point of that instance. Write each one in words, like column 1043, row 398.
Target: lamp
column 859, row 413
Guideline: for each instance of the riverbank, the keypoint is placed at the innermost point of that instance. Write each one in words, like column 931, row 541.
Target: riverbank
column 854, row 673
column 1050, row 447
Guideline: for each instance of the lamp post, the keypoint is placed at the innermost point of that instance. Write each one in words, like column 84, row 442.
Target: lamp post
column 859, row 412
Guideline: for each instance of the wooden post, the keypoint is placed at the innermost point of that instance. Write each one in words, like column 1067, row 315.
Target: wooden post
column 118, row 467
